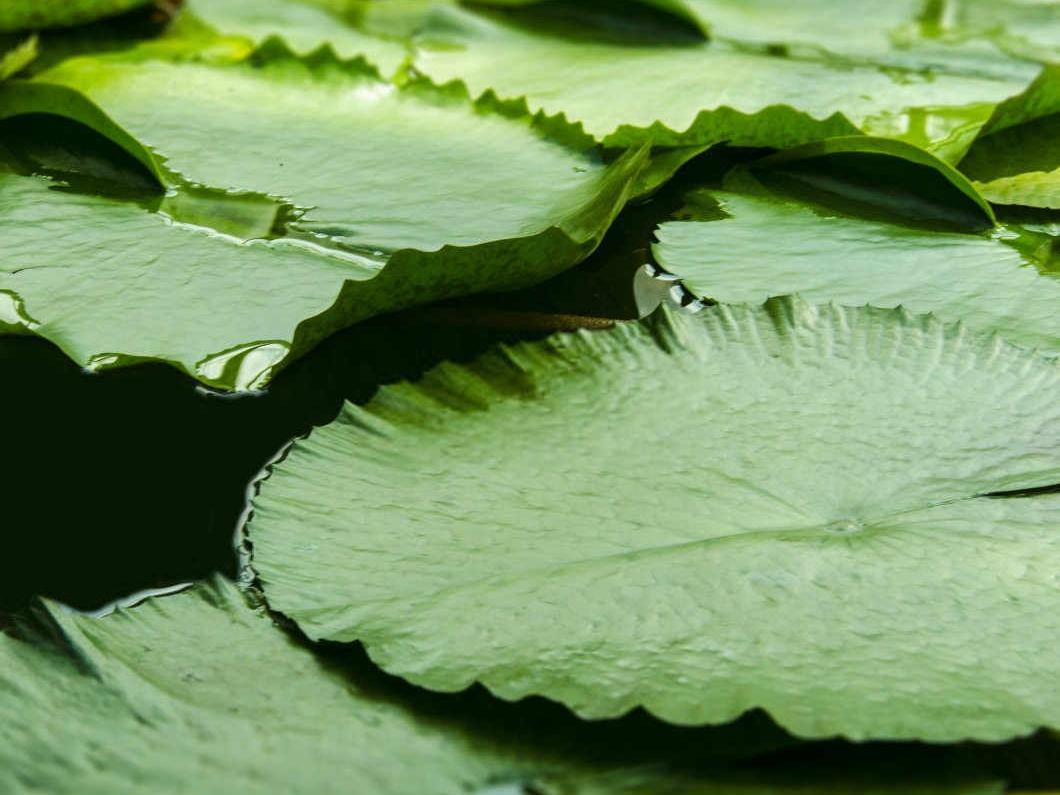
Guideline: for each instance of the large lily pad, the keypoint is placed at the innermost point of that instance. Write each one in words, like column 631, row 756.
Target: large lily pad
column 765, row 244
column 199, row 692
column 703, row 92
column 782, row 507
column 383, row 198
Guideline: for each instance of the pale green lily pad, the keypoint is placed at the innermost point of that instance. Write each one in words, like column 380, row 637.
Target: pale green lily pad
column 862, row 27
column 988, row 35
column 304, row 25
column 415, row 195
column 705, row 92
column 200, row 692
column 769, row 244
column 779, row 507
column 35, row 14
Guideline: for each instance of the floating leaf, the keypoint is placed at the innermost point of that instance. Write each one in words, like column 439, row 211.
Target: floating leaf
column 783, row 507
column 415, row 195
column 703, row 92
column 35, row 14
column 889, row 151
column 304, row 25
column 201, row 688
column 983, row 34
column 768, row 244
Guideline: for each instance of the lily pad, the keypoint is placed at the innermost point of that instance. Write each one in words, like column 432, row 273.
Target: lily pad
column 35, row 14
column 703, row 92
column 304, row 25
column 383, row 197
column 202, row 688
column 983, row 34
column 786, row 507
column 767, row 244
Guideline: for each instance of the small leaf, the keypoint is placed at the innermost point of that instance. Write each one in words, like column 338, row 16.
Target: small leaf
column 770, row 244
column 14, row 58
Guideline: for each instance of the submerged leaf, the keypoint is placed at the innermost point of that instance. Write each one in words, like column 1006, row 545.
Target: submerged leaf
column 782, row 507
column 200, row 693
column 412, row 194
column 705, row 92
column 768, row 244
column 35, row 14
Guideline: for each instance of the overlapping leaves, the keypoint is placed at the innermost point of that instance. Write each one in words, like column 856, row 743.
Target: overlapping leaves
column 838, row 507
column 430, row 196
column 761, row 243
column 705, row 91
column 199, row 692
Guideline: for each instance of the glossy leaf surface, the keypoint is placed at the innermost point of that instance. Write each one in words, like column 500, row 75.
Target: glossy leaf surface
column 770, row 244
column 303, row 25
column 704, row 92
column 380, row 198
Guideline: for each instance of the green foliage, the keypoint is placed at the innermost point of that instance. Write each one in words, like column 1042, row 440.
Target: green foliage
column 601, row 545
column 794, row 531
column 35, row 14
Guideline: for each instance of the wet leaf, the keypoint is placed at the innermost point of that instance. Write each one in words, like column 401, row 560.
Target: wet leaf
column 708, row 91
column 784, row 507
column 770, row 244
column 304, row 25
column 380, row 198
column 201, row 688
